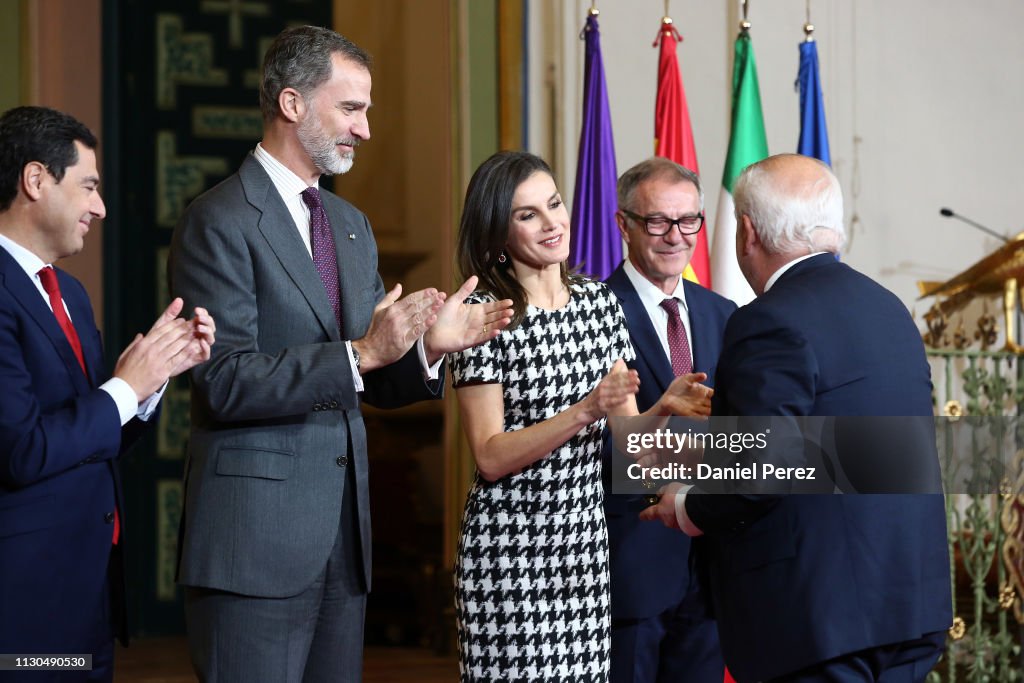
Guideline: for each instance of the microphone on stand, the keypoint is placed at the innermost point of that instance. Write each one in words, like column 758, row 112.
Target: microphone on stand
column 949, row 213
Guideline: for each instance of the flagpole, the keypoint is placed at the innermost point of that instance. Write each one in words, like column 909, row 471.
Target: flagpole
column 808, row 26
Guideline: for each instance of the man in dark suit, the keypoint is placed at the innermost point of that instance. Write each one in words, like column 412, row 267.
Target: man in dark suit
column 63, row 420
column 275, row 553
column 819, row 587
column 660, row 628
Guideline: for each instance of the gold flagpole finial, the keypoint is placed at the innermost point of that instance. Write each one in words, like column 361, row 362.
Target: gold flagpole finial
column 808, row 27
column 593, row 11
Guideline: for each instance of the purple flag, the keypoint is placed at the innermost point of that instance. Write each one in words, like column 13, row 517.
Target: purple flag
column 596, row 245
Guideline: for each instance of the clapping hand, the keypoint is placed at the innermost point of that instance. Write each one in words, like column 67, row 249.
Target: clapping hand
column 202, row 332
column 396, row 325
column 686, row 397
column 612, row 392
column 172, row 346
column 460, row 325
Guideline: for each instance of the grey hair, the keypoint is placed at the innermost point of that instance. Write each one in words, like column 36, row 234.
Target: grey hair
column 655, row 167
column 300, row 58
column 801, row 218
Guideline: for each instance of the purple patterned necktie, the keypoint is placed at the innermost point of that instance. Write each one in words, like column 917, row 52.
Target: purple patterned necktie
column 325, row 258
column 682, row 363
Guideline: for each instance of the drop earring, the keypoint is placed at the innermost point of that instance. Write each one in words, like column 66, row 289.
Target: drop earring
column 502, row 258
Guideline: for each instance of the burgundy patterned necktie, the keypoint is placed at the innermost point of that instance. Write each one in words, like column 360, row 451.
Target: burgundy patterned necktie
column 679, row 347
column 325, row 258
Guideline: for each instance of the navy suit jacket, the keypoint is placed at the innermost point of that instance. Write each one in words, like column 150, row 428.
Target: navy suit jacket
column 60, row 437
column 649, row 563
column 800, row 579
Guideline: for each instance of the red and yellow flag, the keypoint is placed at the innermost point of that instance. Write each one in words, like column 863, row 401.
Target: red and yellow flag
column 673, row 135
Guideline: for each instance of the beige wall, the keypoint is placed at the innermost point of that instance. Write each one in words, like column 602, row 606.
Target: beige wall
column 61, row 68
column 923, row 100
column 403, row 175
column 10, row 53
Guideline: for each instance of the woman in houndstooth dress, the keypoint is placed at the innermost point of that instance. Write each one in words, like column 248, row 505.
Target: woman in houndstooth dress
column 531, row 575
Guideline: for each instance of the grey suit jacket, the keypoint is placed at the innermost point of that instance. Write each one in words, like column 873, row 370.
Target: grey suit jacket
column 275, row 415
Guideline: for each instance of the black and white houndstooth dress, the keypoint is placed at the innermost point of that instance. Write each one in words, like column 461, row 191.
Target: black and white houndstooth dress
column 531, row 575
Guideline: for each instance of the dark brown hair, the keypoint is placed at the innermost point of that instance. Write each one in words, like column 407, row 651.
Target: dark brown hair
column 40, row 134
column 300, row 58
column 483, row 230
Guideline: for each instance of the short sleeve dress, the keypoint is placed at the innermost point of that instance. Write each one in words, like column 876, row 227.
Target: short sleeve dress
column 531, row 575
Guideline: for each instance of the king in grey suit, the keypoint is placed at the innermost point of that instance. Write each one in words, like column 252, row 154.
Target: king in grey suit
column 275, row 551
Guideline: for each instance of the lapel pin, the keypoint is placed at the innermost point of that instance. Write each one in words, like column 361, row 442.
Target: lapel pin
column 351, row 235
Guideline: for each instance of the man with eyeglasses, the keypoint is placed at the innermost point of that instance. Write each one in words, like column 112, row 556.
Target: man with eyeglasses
column 660, row 629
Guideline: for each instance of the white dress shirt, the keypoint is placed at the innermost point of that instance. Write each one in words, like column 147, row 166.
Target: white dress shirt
column 127, row 402
column 651, row 297
column 778, row 273
column 291, row 187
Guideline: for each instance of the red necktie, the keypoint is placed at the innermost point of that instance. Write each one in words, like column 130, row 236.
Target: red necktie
column 50, row 284
column 678, row 346
column 48, row 276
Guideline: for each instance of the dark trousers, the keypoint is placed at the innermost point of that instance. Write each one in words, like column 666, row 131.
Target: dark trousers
column 314, row 636
column 680, row 644
column 99, row 642
column 907, row 662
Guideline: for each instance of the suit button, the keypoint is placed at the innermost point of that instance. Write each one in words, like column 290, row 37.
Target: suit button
column 316, row 407
column 109, row 518
column 652, row 500
column 334, row 404
column 342, row 460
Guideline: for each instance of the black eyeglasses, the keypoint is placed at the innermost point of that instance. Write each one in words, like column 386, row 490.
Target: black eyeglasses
column 656, row 226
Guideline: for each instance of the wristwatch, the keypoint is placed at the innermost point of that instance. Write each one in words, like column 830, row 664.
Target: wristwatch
column 355, row 355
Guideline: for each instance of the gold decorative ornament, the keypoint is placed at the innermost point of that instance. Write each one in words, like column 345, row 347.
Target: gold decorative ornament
column 937, row 323
column 959, row 628
column 960, row 339
column 997, row 274
column 953, row 409
column 987, row 331
column 1010, row 520
column 1006, row 596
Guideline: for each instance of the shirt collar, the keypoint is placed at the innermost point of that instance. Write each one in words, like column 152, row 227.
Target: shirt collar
column 781, row 271
column 649, row 294
column 28, row 261
column 287, row 183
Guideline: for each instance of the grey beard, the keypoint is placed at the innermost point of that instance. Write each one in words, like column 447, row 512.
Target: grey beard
column 328, row 161
column 321, row 149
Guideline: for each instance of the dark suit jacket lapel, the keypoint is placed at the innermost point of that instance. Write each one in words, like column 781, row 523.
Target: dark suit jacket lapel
column 641, row 330
column 706, row 338
column 278, row 228
column 349, row 278
column 24, row 291
column 85, row 326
